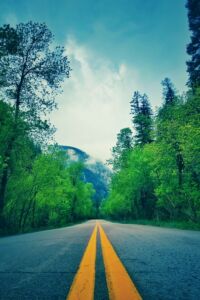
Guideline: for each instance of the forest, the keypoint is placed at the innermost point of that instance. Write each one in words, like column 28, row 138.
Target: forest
column 157, row 163
column 39, row 186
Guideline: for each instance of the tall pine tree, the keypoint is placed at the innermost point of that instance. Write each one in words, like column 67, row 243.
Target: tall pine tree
column 169, row 93
column 142, row 118
column 121, row 150
column 193, row 48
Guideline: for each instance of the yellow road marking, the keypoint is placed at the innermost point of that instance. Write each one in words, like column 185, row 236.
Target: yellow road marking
column 83, row 285
column 120, row 285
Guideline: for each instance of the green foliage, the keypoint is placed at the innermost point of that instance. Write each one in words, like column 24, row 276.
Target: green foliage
column 30, row 77
column 47, row 194
column 161, row 180
column 37, row 188
column 194, row 46
column 31, row 72
column 142, row 118
column 121, row 150
column 131, row 194
column 9, row 40
column 169, row 93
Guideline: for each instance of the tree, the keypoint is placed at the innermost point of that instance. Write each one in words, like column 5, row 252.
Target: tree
column 142, row 118
column 168, row 123
column 31, row 77
column 33, row 72
column 132, row 189
column 50, row 193
column 120, row 151
column 9, row 40
column 165, row 112
column 193, row 48
column 169, row 93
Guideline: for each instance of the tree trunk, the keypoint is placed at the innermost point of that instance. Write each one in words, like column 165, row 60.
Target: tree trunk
column 33, row 214
column 21, row 215
column 180, row 165
column 3, row 185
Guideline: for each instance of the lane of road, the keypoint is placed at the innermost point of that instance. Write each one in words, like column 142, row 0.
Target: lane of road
column 42, row 265
column 84, row 280
column 163, row 263
column 120, row 285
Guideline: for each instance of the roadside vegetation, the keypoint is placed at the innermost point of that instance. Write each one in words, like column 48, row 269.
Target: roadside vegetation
column 157, row 164
column 39, row 186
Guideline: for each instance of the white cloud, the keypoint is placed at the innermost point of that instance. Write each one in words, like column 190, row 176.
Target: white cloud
column 95, row 103
column 11, row 19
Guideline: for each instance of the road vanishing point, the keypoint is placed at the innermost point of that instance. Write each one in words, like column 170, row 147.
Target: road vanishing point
column 101, row 260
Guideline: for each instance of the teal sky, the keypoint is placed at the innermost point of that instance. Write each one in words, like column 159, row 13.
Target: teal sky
column 114, row 47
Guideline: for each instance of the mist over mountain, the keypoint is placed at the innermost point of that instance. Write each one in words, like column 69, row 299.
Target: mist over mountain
column 95, row 171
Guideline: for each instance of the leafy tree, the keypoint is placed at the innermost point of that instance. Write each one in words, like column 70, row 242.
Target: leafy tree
column 81, row 205
column 31, row 76
column 8, row 40
column 8, row 46
column 167, row 124
column 162, row 179
column 34, row 72
column 132, row 188
column 142, row 118
column 50, row 193
column 193, row 49
column 24, row 150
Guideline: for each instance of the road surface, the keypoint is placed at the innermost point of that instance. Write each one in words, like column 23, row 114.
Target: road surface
column 161, row 263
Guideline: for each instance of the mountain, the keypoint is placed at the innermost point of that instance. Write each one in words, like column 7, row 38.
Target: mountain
column 95, row 172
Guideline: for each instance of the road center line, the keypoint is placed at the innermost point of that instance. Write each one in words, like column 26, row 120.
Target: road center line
column 120, row 285
column 83, row 284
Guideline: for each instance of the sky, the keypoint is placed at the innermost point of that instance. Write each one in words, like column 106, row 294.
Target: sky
column 115, row 47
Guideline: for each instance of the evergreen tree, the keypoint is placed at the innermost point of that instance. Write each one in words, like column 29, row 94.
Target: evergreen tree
column 169, row 93
column 169, row 100
column 120, row 151
column 193, row 49
column 167, row 125
column 142, row 118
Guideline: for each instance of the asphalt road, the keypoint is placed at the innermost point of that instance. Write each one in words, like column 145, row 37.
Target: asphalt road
column 163, row 263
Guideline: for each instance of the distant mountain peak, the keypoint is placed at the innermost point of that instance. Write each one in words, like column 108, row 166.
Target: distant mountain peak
column 95, row 171
column 75, row 153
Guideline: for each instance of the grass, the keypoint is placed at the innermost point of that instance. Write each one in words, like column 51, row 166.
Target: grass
column 168, row 224
column 5, row 232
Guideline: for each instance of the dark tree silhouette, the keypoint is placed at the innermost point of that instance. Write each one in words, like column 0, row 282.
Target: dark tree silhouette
column 193, row 48
column 120, row 151
column 142, row 118
column 169, row 93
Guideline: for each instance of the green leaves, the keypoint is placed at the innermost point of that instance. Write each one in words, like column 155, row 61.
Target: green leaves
column 194, row 46
column 121, row 151
column 142, row 119
column 51, row 193
column 160, row 179
column 33, row 71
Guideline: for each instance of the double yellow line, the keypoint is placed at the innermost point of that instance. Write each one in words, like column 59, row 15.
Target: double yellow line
column 120, row 285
